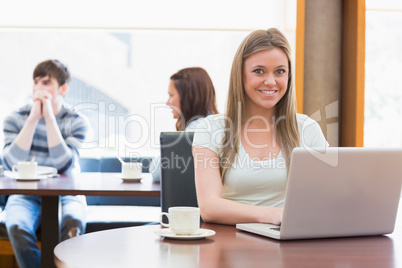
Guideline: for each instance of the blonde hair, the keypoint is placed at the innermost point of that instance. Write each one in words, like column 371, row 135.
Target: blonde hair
column 285, row 110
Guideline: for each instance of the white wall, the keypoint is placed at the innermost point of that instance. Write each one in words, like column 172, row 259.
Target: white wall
column 162, row 14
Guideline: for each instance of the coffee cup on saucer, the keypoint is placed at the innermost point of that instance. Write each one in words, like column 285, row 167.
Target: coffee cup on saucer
column 182, row 220
column 25, row 169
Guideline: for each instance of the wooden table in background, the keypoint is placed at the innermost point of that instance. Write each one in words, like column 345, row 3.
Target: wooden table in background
column 141, row 247
column 93, row 184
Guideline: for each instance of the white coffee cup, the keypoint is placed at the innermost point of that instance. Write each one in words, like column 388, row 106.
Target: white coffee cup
column 182, row 220
column 131, row 170
column 26, row 169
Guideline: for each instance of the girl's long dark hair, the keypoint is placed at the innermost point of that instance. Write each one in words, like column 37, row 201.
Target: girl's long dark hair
column 197, row 95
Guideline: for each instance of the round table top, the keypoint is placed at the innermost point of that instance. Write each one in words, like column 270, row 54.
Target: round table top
column 133, row 246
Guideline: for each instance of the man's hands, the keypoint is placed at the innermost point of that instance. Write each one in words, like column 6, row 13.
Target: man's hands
column 42, row 106
column 36, row 111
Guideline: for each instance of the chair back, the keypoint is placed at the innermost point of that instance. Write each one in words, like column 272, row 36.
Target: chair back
column 177, row 170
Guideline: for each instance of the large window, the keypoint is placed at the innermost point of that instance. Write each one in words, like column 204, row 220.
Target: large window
column 383, row 79
column 121, row 65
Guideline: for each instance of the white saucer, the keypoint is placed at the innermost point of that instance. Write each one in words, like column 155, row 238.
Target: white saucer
column 16, row 176
column 37, row 178
column 44, row 170
column 129, row 179
column 169, row 234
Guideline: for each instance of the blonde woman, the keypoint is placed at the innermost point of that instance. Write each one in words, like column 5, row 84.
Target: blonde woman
column 241, row 158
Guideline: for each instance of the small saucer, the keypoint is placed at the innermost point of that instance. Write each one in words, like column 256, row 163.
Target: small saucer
column 169, row 234
column 16, row 176
column 46, row 171
column 37, row 178
column 129, row 179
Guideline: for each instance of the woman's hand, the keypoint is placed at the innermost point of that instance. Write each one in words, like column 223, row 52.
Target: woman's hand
column 273, row 216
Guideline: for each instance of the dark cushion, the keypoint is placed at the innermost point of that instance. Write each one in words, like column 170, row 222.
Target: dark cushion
column 3, row 200
column 123, row 200
column 112, row 164
column 89, row 164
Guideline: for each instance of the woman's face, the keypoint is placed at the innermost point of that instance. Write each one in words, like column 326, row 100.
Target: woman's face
column 174, row 100
column 265, row 76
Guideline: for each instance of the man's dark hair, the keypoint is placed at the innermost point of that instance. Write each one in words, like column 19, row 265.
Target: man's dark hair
column 53, row 69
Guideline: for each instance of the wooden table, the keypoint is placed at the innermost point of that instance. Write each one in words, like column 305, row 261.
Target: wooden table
column 141, row 247
column 94, row 184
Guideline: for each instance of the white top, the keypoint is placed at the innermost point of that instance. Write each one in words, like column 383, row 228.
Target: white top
column 192, row 126
column 252, row 181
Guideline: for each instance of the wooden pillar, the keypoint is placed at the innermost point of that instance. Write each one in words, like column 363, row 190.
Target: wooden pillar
column 353, row 71
column 299, row 67
column 318, row 63
column 330, row 60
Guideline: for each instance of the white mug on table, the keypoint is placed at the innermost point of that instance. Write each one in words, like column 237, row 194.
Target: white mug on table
column 26, row 169
column 182, row 220
column 131, row 170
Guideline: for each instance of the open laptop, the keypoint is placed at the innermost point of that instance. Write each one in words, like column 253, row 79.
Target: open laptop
column 338, row 192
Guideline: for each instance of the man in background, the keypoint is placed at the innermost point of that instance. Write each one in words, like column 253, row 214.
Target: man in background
column 51, row 132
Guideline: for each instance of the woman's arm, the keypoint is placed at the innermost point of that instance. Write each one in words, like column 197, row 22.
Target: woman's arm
column 215, row 208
